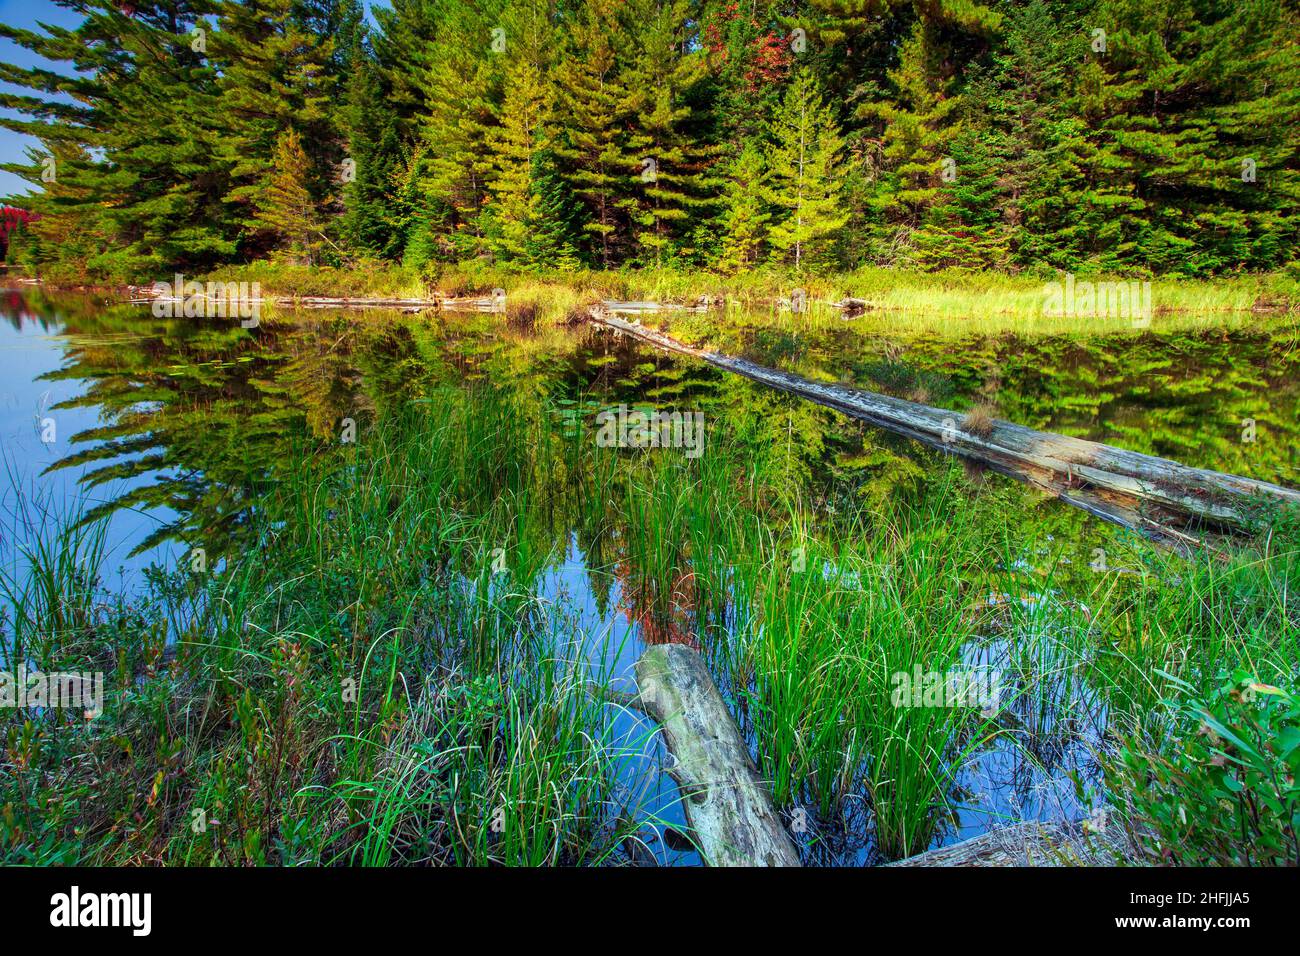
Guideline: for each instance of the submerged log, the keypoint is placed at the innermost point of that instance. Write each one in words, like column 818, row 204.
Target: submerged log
column 1027, row 844
column 1150, row 495
column 730, row 813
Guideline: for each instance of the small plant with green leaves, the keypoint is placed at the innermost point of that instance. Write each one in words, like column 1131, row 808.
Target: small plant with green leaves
column 1223, row 790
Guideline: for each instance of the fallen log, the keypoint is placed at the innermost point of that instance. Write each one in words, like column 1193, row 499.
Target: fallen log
column 637, row 308
column 441, row 303
column 730, row 814
column 1027, row 844
column 1150, row 495
column 140, row 295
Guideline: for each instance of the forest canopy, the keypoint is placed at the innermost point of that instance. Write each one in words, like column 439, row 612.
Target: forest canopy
column 1139, row 137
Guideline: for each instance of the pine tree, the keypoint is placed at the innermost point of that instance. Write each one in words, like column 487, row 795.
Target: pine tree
column 517, row 204
column 404, row 47
column 750, row 57
column 558, row 233
column 65, row 230
column 374, row 149
column 287, row 209
column 1019, row 119
column 140, row 195
column 1183, row 94
column 665, row 83
column 599, row 157
column 745, row 217
column 804, row 178
column 917, row 131
column 553, row 133
column 462, row 91
column 275, row 76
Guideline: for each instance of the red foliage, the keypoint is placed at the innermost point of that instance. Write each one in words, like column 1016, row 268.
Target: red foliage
column 770, row 61
column 11, row 217
column 768, row 55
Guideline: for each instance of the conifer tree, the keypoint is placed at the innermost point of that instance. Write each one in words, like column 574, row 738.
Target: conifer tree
column 804, row 173
column 462, row 90
column 1106, row 135
column 745, row 217
column 516, row 204
column 403, row 46
column 599, row 156
column 275, row 76
column 116, row 167
column 287, row 209
column 373, row 155
column 917, row 131
column 665, row 84
column 750, row 57
column 519, row 145
column 1188, row 93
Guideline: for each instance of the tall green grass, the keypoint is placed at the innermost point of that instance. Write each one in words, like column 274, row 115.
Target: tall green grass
column 375, row 675
column 896, row 299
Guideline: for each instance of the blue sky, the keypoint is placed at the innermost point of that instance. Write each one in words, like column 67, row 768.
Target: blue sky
column 26, row 14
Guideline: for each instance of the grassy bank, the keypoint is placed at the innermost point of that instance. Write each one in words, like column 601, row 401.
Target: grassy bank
column 978, row 300
column 377, row 675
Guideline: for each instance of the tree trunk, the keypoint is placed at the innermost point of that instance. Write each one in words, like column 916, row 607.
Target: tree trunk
column 1150, row 495
column 728, row 808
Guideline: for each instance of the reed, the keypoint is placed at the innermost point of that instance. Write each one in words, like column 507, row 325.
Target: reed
column 380, row 677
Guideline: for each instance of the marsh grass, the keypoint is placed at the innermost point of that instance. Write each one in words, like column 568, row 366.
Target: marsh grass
column 897, row 300
column 50, row 565
column 376, row 677
column 372, row 684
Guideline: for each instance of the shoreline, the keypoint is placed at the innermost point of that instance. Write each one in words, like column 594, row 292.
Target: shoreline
column 873, row 287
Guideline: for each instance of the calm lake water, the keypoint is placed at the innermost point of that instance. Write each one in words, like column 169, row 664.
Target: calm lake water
column 171, row 428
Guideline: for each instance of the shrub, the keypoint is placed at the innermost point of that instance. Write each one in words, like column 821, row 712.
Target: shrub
column 1223, row 790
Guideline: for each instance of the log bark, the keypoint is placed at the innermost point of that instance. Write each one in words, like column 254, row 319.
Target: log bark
column 1026, row 844
column 142, row 294
column 1151, row 495
column 441, row 303
column 639, row 308
column 728, row 808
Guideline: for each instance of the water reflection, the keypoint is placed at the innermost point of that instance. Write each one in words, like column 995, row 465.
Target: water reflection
column 1180, row 393
column 176, row 428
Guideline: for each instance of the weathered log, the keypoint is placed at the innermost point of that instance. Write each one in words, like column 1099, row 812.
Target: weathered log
column 636, row 308
column 1142, row 492
column 142, row 295
column 1027, row 844
column 444, row 303
column 729, row 810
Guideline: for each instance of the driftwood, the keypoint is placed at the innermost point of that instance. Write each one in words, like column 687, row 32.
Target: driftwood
column 441, row 303
column 1027, row 844
column 140, row 295
column 728, row 808
column 637, row 308
column 1150, row 495
column 730, row 813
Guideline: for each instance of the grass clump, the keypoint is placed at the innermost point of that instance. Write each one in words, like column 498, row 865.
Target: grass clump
column 373, row 682
column 376, row 675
